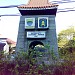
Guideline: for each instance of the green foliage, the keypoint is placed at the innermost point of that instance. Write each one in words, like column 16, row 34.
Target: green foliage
column 65, row 35
column 26, row 65
column 54, row 57
column 1, row 54
column 66, row 40
column 21, row 55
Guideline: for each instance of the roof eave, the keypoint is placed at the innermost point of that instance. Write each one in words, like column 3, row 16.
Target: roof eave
column 37, row 8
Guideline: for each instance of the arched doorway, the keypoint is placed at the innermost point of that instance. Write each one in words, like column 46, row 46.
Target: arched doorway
column 34, row 44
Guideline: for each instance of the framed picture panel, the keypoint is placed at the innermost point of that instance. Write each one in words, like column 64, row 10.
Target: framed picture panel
column 29, row 23
column 43, row 22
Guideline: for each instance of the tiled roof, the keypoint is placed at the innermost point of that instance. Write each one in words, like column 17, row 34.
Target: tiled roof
column 7, row 39
column 10, row 41
column 38, row 4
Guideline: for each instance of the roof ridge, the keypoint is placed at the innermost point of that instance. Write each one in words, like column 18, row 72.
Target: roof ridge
column 38, row 4
column 11, row 41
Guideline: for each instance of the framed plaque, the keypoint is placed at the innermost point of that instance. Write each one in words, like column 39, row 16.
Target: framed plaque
column 36, row 34
column 29, row 23
column 43, row 22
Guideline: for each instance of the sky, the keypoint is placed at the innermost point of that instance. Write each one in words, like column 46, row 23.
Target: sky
column 9, row 24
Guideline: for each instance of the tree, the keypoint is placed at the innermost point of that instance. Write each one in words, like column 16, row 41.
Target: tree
column 66, row 38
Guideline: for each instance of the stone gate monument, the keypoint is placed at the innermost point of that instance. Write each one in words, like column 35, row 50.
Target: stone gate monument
column 37, row 25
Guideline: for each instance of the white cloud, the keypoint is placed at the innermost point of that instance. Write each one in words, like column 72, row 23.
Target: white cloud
column 64, row 20
column 9, row 26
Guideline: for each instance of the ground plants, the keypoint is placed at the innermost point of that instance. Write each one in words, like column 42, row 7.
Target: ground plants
column 25, row 63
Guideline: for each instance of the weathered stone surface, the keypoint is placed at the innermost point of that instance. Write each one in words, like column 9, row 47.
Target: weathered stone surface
column 51, row 37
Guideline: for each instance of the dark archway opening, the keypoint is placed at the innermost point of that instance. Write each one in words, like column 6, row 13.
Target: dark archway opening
column 34, row 44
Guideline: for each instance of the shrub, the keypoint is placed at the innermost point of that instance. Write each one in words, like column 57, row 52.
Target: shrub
column 23, row 64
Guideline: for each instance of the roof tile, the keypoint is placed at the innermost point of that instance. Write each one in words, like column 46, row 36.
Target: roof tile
column 38, row 4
